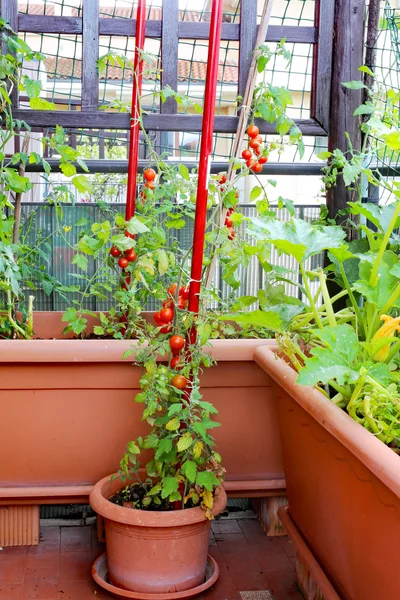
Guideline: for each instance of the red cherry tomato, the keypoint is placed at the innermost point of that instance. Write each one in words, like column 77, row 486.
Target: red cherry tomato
column 263, row 159
column 253, row 131
column 176, row 343
column 256, row 141
column 181, row 303
column 179, row 381
column 149, row 174
column 222, row 179
column 172, row 289
column 231, row 233
column 129, row 235
column 184, row 292
column 246, row 154
column 157, row 318
column 228, row 222
column 168, row 304
column 115, row 252
column 230, row 211
column 257, row 151
column 130, row 256
column 250, row 162
column 176, row 363
column 123, row 262
column 150, row 184
column 167, row 328
column 167, row 314
column 257, row 168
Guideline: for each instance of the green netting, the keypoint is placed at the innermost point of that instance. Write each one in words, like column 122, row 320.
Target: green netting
column 62, row 70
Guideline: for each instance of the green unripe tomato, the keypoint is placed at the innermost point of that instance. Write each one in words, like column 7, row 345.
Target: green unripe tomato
column 206, row 261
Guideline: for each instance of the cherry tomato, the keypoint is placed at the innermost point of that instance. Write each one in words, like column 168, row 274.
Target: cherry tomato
column 250, row 162
column 157, row 318
column 129, row 235
column 263, row 159
column 179, row 381
column 256, row 141
column 130, row 256
column 228, row 222
column 257, row 168
column 236, row 194
column 231, row 233
column 123, row 262
column 246, row 154
column 150, row 184
column 253, row 131
column 181, row 303
column 230, row 211
column 167, row 328
column 172, row 289
column 184, row 292
column 176, row 363
column 257, row 151
column 168, row 304
column 176, row 342
column 149, row 174
column 167, row 314
column 222, row 179
column 115, row 252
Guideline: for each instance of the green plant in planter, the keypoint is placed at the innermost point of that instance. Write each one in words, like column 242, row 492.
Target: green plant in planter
column 350, row 354
column 176, row 464
column 19, row 259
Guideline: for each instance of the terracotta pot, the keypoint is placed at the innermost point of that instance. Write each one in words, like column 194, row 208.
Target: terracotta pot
column 343, row 487
column 58, row 398
column 153, row 552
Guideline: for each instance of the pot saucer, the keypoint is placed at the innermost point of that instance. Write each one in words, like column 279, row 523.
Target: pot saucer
column 100, row 575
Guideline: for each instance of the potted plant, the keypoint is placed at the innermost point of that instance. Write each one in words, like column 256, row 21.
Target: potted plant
column 341, row 436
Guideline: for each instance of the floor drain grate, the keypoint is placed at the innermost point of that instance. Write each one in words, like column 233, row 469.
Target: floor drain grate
column 260, row 595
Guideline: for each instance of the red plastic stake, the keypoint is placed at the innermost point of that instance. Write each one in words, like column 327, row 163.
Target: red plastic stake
column 135, row 113
column 205, row 159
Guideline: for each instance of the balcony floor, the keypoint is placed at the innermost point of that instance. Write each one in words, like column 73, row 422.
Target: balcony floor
column 59, row 568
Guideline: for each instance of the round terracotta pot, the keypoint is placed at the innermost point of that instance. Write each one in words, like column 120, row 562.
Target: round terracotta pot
column 151, row 551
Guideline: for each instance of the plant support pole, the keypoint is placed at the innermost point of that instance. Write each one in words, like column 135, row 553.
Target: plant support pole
column 135, row 111
column 205, row 159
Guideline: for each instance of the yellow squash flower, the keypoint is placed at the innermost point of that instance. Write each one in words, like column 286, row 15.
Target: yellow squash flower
column 387, row 330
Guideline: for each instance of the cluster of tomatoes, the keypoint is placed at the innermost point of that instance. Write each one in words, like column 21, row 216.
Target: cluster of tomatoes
column 123, row 259
column 228, row 221
column 149, row 176
column 253, row 155
column 177, row 343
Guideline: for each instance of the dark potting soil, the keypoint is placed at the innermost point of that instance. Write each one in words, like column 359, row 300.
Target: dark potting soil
column 133, row 495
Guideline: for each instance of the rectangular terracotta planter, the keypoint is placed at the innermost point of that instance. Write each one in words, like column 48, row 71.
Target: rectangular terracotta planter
column 68, row 410
column 343, row 487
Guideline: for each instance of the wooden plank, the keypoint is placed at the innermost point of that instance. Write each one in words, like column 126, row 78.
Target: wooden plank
column 186, row 30
column 248, row 35
column 9, row 12
column 152, row 122
column 90, row 55
column 49, row 24
column 348, row 55
column 322, row 64
column 169, row 51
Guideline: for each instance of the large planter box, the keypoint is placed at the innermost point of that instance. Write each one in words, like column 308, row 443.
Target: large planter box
column 67, row 411
column 343, row 487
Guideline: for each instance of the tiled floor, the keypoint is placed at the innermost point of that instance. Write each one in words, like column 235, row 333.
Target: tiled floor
column 59, row 568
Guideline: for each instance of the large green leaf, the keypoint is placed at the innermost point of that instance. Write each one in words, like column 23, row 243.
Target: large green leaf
column 380, row 216
column 338, row 360
column 296, row 237
column 256, row 318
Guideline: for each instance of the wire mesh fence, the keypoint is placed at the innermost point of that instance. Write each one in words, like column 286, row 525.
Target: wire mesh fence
column 40, row 226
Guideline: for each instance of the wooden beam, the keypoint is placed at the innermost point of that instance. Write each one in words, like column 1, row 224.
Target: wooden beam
column 248, row 35
column 169, row 60
column 90, row 55
column 152, row 122
column 186, row 30
column 348, row 56
column 322, row 62
column 9, row 12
